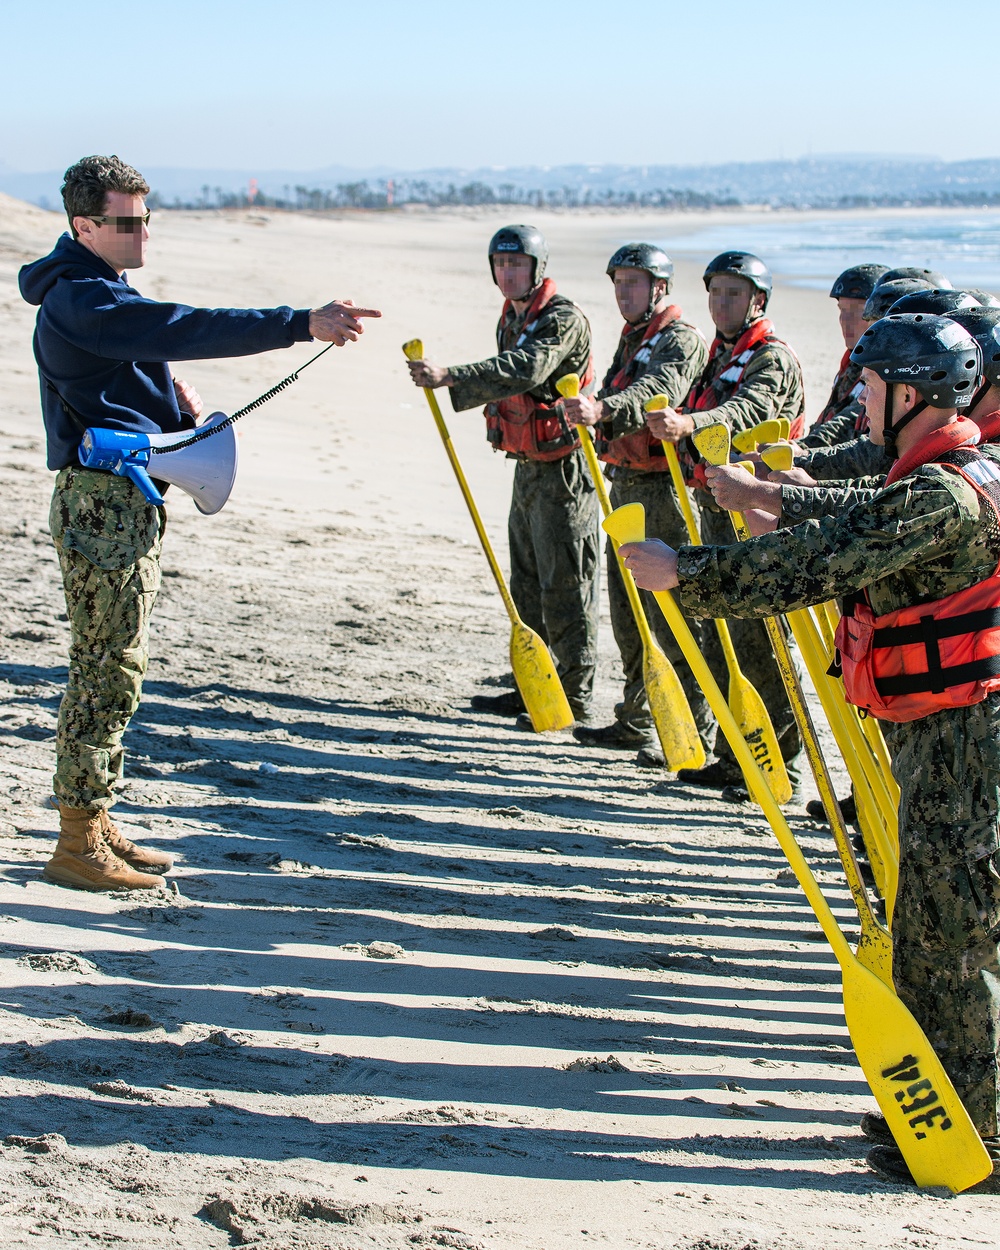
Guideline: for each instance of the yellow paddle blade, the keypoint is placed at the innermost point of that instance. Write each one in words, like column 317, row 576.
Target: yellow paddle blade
column 537, row 680
column 757, row 732
column 668, row 705
column 671, row 713
column 785, row 426
column 765, row 432
column 924, row 1113
column 779, row 457
column 414, row 349
column 656, row 403
column 714, row 441
column 928, row 1121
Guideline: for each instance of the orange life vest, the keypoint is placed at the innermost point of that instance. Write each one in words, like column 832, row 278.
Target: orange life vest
column 703, row 397
column 944, row 654
column 523, row 426
column 639, row 450
column 990, row 426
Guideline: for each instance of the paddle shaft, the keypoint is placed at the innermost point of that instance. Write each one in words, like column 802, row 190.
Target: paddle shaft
column 725, row 638
column 470, row 503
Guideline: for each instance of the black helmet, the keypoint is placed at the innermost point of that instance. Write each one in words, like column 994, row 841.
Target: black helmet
column 933, row 276
column 526, row 240
column 646, row 256
column 942, row 303
column 858, row 282
column 743, row 265
column 935, row 355
column 885, row 295
column 985, row 298
column 984, row 325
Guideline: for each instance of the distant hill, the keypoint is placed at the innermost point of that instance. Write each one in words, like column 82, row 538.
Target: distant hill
column 814, row 182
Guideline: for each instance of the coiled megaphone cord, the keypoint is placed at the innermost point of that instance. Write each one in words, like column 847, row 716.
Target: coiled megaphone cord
column 224, row 425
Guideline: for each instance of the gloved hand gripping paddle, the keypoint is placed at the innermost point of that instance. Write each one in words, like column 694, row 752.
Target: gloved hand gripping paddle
column 926, row 1117
column 127, row 452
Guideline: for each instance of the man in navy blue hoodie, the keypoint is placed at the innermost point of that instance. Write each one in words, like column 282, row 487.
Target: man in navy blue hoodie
column 102, row 353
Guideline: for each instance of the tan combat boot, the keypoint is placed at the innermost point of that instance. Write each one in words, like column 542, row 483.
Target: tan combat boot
column 135, row 856
column 84, row 860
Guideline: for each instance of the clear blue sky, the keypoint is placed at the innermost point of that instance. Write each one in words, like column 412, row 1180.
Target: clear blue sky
column 308, row 83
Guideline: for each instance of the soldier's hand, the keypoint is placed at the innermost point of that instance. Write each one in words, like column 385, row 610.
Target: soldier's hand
column 669, row 425
column 338, row 322
column 423, row 373
column 760, row 522
column 653, row 564
column 188, row 399
column 736, row 490
column 583, row 410
column 792, row 477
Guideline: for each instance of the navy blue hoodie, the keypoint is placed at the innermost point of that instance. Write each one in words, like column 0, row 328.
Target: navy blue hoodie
column 102, row 349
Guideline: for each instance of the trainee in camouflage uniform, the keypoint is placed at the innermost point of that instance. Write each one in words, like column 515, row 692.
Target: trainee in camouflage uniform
column 803, row 503
column 857, row 458
column 658, row 353
column 842, row 418
column 920, row 564
column 553, row 522
column 751, row 376
column 102, row 350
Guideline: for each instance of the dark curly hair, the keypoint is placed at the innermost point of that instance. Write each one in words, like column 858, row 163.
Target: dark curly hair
column 87, row 183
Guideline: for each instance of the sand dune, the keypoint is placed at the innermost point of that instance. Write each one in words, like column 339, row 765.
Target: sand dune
column 426, row 980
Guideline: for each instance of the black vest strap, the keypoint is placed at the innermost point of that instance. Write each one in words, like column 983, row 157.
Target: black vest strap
column 960, row 675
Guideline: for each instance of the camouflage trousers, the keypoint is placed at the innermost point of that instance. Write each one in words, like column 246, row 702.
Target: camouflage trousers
column 753, row 650
column 554, row 568
column 108, row 540
column 655, row 491
column 946, row 926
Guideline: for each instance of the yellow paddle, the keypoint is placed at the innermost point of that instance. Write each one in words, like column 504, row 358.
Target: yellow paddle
column 668, row 705
column 876, row 804
column 530, row 660
column 770, row 431
column 924, row 1113
column 875, row 949
column 779, row 456
column 745, row 703
column 862, row 769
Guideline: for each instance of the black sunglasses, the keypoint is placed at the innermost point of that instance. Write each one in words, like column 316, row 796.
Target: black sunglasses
column 124, row 225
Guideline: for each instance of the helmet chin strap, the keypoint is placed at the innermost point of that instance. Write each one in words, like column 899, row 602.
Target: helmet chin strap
column 891, row 430
column 980, row 394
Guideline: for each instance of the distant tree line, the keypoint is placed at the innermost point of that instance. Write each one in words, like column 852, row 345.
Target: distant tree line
column 385, row 194
column 392, row 194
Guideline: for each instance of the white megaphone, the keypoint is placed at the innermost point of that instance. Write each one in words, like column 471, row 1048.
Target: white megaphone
column 205, row 470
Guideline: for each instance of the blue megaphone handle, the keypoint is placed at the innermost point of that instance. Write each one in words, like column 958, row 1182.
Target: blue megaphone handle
column 137, row 473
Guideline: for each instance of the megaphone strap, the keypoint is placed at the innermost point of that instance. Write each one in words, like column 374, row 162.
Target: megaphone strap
column 224, row 425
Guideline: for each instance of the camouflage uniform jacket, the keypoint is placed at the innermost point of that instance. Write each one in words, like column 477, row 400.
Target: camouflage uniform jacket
column 771, row 386
column 846, row 461
column 838, row 422
column 529, row 359
column 677, row 359
column 812, row 503
column 922, row 538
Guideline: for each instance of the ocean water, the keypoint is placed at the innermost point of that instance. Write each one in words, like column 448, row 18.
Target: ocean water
column 811, row 249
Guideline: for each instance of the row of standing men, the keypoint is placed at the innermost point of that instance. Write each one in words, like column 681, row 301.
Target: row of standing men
column 747, row 375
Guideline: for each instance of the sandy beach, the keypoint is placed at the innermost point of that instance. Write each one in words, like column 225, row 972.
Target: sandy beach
column 422, row 979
